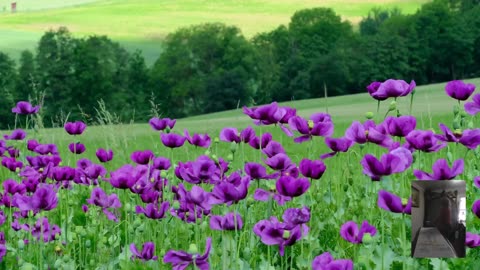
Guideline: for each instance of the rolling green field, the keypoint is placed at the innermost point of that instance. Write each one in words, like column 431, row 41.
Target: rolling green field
column 143, row 24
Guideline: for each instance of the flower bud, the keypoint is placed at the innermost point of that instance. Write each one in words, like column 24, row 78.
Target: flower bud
column 216, row 140
column 456, row 109
column 137, row 223
column 208, row 152
column 470, row 125
column 367, row 238
column 167, row 130
column 192, row 249
column 21, row 244
column 369, row 115
column 233, row 147
column 176, row 205
column 393, row 106
column 163, row 174
column 88, row 243
column 230, row 157
column 215, row 158
column 456, row 124
column 463, row 114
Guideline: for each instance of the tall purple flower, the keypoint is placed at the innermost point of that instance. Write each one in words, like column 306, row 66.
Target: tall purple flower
column 17, row 135
column 396, row 161
column 161, row 163
column 44, row 198
column 123, row 177
column 292, row 187
column 225, row 192
column 476, row 181
column 172, row 140
column 273, row 148
column 161, row 124
column 353, row 234
column 337, row 145
column 273, row 232
column 424, row 140
column 400, row 126
column 104, row 201
column 476, row 208
column 230, row 135
column 24, row 107
column 142, row 157
column 75, row 128
column 146, row 254
column 104, row 155
column 152, row 210
column 198, row 139
column 257, row 171
column 76, row 148
column 181, row 260
column 393, row 203
column 473, row 107
column 229, row 222
column 326, row 262
column 390, row 88
column 43, row 229
column 264, row 195
column 312, row 169
column 472, row 240
column 441, row 170
column 316, row 126
column 459, row 90
column 266, row 114
column 296, row 216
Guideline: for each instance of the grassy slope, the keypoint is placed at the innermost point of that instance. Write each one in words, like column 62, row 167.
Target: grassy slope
column 143, row 23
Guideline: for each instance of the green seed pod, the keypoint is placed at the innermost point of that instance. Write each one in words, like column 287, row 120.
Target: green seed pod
column 21, row 244
column 233, row 147
column 456, row 109
column 456, row 124
column 176, row 205
column 463, row 114
column 88, row 243
column 230, row 157
column 192, row 249
column 393, row 106
column 367, row 238
column 216, row 140
column 369, row 115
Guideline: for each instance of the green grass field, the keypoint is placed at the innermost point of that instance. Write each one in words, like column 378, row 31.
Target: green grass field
column 143, row 24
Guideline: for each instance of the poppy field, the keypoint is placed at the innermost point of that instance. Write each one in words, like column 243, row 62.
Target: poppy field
column 285, row 187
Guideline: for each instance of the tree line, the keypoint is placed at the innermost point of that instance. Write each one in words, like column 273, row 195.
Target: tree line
column 213, row 67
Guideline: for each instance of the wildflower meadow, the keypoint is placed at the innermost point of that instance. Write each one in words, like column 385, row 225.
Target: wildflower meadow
column 284, row 192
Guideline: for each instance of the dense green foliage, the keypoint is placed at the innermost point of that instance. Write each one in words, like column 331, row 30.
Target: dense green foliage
column 213, row 67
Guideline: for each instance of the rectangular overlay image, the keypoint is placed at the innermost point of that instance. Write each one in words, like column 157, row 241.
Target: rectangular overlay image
column 438, row 219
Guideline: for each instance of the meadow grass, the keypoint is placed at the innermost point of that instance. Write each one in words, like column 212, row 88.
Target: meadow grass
column 145, row 23
column 343, row 193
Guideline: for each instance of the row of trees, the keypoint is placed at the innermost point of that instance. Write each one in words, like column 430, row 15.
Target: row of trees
column 213, row 67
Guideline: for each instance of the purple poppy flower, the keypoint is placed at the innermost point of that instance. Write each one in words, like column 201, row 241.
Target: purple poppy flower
column 172, row 140
column 181, row 260
column 204, row 169
column 31, row 144
column 229, row 222
column 12, row 164
column 312, row 169
column 77, row 148
column 292, row 187
column 424, row 140
column 266, row 114
column 448, row 135
column 296, row 216
column 400, row 126
column 161, row 163
column 247, row 135
column 44, row 198
column 311, row 128
column 146, row 254
column 230, row 135
column 476, row 208
column 279, row 162
column 198, row 139
column 470, row 138
column 472, row 240
column 326, row 262
column 263, row 195
column 337, row 145
column 225, row 192
column 441, row 170
column 123, row 177
column 390, row 88
column 142, row 157
column 393, row 203
column 476, row 181
column 75, row 128
column 257, row 171
column 152, row 210
column 63, row 173
column 473, row 107
column 272, row 232
column 104, row 155
column 353, row 234
column 161, row 124
column 459, row 90
column 104, row 201
column 368, row 132
column 262, row 143
column 289, row 113
column 17, row 135
column 42, row 229
column 273, row 148
column 24, row 107
column 396, row 161
column 45, row 149
column 11, row 186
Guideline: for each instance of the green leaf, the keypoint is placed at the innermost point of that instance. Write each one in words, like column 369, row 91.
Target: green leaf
column 439, row 264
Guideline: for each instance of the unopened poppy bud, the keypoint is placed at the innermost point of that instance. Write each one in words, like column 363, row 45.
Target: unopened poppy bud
column 463, row 114
column 369, row 115
column 176, row 204
column 21, row 244
column 58, row 249
column 137, row 223
column 470, row 125
column 163, row 174
column 361, row 146
column 286, row 234
column 456, row 124
column 192, row 249
column 367, row 238
column 247, row 252
column 167, row 130
column 208, row 152
column 88, row 243
column 393, row 106
column 128, row 207
column 215, row 158
column 310, row 124
column 216, row 140
column 230, row 157
column 233, row 147
column 141, row 228
column 456, row 109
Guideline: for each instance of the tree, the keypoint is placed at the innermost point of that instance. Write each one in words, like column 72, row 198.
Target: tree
column 7, row 87
column 27, row 77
